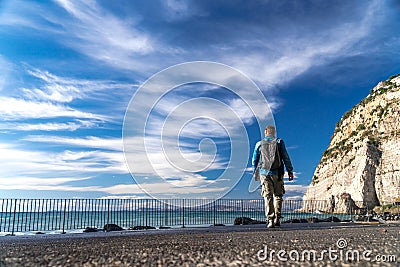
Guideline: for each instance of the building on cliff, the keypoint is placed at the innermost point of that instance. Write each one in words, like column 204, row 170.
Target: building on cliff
column 362, row 161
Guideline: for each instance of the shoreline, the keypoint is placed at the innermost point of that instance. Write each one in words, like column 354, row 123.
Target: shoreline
column 179, row 229
column 231, row 227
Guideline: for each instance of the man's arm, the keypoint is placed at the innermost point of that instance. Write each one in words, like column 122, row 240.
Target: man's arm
column 256, row 155
column 286, row 159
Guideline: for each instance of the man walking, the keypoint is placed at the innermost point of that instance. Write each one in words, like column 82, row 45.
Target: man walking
column 269, row 156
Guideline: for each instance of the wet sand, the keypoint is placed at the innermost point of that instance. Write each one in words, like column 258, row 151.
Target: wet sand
column 212, row 246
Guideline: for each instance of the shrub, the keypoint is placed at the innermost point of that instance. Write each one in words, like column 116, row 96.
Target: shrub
column 347, row 114
column 361, row 127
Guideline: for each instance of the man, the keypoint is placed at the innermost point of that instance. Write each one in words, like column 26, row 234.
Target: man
column 269, row 156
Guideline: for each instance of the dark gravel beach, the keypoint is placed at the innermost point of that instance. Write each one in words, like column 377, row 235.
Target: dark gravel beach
column 214, row 246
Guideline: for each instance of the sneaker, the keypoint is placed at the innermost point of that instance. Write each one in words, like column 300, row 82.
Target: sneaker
column 271, row 224
column 277, row 222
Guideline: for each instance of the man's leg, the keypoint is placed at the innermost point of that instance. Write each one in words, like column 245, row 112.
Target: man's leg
column 279, row 191
column 267, row 190
column 278, row 209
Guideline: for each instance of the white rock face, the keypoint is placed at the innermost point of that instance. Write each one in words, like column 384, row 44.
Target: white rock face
column 363, row 157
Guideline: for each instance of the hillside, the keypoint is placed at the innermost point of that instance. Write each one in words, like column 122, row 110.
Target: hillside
column 363, row 157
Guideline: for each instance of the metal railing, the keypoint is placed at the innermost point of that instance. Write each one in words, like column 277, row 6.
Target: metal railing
column 30, row 215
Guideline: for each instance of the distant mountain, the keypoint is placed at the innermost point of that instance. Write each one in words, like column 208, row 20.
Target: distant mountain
column 362, row 160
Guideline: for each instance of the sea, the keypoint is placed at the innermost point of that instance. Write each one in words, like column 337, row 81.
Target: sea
column 56, row 222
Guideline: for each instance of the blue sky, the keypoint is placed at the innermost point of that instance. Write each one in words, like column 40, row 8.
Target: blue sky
column 68, row 70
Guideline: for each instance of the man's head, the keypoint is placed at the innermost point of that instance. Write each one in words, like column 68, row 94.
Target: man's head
column 270, row 131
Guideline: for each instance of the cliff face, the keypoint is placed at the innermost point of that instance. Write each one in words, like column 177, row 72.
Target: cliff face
column 363, row 157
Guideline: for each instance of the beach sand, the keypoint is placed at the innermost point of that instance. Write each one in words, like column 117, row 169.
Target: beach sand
column 209, row 246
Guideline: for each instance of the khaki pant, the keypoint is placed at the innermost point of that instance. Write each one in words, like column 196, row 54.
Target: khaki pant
column 272, row 186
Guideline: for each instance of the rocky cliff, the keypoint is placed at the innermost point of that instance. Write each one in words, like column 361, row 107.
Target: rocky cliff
column 363, row 157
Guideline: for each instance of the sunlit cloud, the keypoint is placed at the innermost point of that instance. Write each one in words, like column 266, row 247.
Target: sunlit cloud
column 86, row 142
column 64, row 90
column 46, row 165
column 69, row 126
column 18, row 109
column 290, row 56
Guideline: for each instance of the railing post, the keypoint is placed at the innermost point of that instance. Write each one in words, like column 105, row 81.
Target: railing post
column 351, row 211
column 15, row 210
column 108, row 211
column 146, row 213
column 241, row 204
column 214, row 212
column 165, row 214
column 65, row 208
column 183, row 213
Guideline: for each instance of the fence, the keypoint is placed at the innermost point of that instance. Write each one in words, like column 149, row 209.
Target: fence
column 26, row 215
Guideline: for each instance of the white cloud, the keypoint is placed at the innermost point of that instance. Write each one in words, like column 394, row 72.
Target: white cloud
column 37, row 170
column 30, row 182
column 69, row 126
column 295, row 197
column 158, row 189
column 96, row 25
column 295, row 192
column 65, row 90
column 135, row 190
column 88, row 28
column 88, row 142
column 43, row 165
column 17, row 109
column 51, row 97
column 99, row 34
column 279, row 61
column 103, row 161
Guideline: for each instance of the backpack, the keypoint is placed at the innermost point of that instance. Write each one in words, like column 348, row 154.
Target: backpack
column 270, row 157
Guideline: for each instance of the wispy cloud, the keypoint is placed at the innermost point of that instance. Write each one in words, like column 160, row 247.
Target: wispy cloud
column 52, row 96
column 19, row 162
column 69, row 126
column 20, row 182
column 110, row 158
column 36, row 170
column 64, row 90
column 158, row 189
column 94, row 24
column 295, row 192
column 287, row 57
column 107, row 160
column 101, row 35
column 86, row 142
column 18, row 109
column 133, row 190
column 88, row 28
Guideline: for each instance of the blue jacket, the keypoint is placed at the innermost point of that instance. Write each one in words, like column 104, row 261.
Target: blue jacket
column 282, row 152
